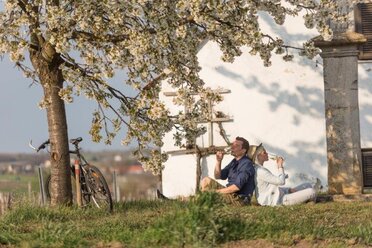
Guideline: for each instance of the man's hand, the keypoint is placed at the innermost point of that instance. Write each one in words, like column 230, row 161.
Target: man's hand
column 279, row 162
column 219, row 155
column 217, row 168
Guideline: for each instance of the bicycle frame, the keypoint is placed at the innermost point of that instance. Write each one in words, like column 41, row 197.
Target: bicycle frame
column 79, row 172
column 81, row 163
column 91, row 186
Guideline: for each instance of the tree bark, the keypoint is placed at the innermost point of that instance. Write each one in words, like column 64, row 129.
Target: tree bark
column 51, row 79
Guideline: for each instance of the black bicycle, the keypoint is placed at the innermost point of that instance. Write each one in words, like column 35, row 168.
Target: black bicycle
column 94, row 188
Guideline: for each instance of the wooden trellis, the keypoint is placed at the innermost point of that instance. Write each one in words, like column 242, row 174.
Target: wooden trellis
column 219, row 118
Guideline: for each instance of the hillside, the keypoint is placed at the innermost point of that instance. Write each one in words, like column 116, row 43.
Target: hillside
column 200, row 223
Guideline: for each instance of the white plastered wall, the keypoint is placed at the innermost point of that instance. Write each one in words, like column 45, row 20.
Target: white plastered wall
column 281, row 106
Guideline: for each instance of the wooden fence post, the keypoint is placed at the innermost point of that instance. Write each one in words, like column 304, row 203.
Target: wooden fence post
column 77, row 180
column 41, row 183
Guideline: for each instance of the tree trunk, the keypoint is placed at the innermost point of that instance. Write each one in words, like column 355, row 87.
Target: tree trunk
column 51, row 80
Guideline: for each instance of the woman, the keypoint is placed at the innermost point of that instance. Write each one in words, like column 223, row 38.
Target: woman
column 267, row 189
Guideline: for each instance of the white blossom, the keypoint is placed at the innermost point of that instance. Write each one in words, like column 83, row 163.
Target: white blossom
column 150, row 41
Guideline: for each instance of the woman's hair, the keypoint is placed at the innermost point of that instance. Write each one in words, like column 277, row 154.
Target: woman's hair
column 254, row 151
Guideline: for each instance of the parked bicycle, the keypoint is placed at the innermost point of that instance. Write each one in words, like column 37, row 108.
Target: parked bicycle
column 94, row 188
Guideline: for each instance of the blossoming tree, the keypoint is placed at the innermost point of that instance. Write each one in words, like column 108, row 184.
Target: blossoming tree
column 76, row 47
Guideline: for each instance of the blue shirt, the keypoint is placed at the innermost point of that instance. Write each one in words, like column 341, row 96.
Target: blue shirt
column 240, row 173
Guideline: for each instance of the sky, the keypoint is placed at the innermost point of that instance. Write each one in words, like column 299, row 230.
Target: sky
column 22, row 120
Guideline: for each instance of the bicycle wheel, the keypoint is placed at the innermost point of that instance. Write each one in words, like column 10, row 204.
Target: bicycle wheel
column 47, row 187
column 99, row 190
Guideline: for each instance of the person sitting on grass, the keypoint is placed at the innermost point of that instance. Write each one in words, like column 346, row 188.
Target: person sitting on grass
column 268, row 192
column 239, row 174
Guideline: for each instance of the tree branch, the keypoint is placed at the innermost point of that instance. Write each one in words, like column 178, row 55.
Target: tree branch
column 36, row 39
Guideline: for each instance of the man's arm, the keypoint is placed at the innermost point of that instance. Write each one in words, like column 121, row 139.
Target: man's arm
column 217, row 168
column 228, row 190
column 245, row 174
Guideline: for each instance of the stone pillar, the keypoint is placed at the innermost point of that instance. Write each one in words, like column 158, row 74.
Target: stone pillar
column 340, row 68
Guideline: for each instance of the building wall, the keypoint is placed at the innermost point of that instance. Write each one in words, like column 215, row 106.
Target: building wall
column 281, row 106
column 365, row 103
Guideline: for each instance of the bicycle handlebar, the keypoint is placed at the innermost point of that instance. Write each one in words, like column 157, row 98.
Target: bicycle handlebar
column 42, row 146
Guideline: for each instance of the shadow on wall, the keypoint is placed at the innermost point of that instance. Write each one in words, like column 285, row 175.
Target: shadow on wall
column 365, row 80
column 305, row 101
column 365, row 109
column 204, row 167
column 294, row 40
column 299, row 168
column 365, row 116
column 308, row 160
column 281, row 31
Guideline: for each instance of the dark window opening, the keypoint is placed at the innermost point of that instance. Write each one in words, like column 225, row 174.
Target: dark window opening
column 367, row 167
column 363, row 25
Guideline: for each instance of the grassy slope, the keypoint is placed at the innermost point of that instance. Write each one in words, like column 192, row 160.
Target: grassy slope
column 200, row 223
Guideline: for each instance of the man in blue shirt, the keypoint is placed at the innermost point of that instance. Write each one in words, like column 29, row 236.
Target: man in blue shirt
column 239, row 174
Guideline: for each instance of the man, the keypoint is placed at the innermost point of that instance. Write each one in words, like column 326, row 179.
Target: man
column 239, row 174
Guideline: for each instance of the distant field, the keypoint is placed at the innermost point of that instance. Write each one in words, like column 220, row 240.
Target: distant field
column 18, row 183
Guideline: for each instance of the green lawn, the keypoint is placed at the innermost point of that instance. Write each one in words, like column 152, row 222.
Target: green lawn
column 199, row 223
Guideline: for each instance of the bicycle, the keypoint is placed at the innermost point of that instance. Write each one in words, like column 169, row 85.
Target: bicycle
column 94, row 188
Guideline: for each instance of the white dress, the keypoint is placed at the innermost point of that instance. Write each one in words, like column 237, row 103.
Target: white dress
column 267, row 186
column 268, row 192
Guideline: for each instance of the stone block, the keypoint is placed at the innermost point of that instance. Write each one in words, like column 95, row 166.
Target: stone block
column 341, row 98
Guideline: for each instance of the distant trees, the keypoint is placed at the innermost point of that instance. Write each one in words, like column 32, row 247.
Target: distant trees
column 76, row 46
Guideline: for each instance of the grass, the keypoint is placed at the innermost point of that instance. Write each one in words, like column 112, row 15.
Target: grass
column 199, row 223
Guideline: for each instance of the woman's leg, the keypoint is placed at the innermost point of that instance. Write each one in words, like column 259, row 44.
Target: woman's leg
column 300, row 187
column 300, row 196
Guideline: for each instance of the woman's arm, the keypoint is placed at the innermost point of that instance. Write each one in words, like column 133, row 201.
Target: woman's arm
column 265, row 175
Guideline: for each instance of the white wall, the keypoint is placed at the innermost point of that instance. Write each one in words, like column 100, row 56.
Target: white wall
column 365, row 103
column 281, row 106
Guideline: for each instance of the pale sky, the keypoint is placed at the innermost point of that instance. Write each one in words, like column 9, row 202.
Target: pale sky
column 22, row 120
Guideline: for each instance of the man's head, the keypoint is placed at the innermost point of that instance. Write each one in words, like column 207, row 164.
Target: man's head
column 239, row 147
